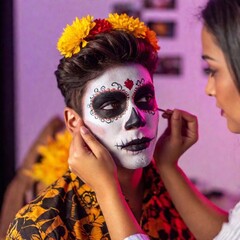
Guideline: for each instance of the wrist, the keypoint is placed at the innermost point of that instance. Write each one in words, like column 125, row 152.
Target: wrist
column 110, row 190
column 167, row 167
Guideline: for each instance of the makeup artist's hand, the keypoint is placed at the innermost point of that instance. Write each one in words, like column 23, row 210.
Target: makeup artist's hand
column 180, row 134
column 90, row 160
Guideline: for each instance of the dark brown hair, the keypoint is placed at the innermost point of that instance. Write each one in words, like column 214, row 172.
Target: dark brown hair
column 222, row 20
column 104, row 51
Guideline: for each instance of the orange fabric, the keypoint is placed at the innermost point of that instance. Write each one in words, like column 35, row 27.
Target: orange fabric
column 68, row 209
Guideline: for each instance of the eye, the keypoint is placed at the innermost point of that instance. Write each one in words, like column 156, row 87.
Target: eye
column 110, row 105
column 210, row 72
column 145, row 99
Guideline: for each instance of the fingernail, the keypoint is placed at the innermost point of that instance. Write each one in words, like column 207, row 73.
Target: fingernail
column 84, row 130
column 176, row 115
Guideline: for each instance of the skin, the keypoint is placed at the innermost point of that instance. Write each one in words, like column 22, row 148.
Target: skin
column 125, row 181
column 97, row 158
column 202, row 217
column 120, row 108
column 220, row 83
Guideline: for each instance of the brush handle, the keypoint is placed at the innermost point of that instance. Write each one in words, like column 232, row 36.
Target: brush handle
column 165, row 111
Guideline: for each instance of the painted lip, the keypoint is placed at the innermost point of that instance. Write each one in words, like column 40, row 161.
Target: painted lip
column 136, row 144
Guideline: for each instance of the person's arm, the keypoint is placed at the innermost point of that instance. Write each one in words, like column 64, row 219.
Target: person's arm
column 91, row 161
column 201, row 216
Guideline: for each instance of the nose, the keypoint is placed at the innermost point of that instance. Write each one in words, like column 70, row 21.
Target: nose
column 135, row 120
column 210, row 87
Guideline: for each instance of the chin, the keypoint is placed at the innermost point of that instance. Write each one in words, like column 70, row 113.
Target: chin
column 133, row 164
column 234, row 128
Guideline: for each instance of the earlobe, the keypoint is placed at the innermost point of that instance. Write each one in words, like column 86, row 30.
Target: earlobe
column 71, row 119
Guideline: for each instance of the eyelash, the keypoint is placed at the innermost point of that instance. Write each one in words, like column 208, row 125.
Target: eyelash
column 210, row 72
column 148, row 98
column 109, row 104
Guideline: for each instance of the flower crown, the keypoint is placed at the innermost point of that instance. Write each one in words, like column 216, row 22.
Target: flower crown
column 76, row 36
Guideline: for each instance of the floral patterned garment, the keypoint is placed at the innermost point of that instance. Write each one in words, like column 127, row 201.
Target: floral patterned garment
column 68, row 209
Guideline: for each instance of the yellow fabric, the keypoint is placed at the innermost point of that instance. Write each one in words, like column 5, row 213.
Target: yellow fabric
column 68, row 209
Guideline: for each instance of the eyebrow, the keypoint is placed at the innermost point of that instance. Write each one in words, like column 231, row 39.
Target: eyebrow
column 206, row 57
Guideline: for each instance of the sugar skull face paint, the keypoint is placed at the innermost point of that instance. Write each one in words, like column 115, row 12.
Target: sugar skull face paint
column 121, row 110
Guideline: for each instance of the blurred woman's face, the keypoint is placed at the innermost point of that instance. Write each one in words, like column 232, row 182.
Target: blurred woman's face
column 220, row 82
column 120, row 109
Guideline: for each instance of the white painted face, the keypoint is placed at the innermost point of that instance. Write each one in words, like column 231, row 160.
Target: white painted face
column 120, row 108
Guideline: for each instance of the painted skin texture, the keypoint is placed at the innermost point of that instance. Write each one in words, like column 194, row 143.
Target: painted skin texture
column 121, row 110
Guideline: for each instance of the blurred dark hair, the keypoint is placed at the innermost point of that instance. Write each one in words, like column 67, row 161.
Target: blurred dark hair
column 104, row 51
column 222, row 20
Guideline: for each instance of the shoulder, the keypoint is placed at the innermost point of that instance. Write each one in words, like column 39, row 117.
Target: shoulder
column 58, row 208
column 48, row 205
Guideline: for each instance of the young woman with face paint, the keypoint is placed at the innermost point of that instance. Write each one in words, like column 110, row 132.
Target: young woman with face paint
column 105, row 77
column 221, row 48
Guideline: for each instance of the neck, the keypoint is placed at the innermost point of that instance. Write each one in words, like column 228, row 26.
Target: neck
column 132, row 188
column 130, row 180
column 129, row 176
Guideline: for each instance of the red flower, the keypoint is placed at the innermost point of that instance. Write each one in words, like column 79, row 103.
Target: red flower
column 101, row 26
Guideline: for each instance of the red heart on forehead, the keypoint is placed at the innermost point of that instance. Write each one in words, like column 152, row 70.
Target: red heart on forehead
column 128, row 84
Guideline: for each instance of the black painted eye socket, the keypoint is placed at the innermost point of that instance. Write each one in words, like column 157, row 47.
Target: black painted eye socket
column 109, row 104
column 145, row 98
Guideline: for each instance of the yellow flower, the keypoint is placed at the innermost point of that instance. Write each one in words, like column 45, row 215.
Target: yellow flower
column 54, row 162
column 72, row 39
column 126, row 23
column 76, row 36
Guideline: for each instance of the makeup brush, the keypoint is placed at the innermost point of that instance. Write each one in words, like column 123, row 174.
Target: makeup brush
column 161, row 110
column 165, row 111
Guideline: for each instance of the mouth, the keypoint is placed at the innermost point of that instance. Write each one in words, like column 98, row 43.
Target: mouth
column 136, row 144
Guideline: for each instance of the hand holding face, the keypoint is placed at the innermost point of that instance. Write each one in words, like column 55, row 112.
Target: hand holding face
column 90, row 160
column 181, row 134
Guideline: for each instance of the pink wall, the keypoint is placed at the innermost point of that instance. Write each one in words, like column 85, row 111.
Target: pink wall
column 214, row 159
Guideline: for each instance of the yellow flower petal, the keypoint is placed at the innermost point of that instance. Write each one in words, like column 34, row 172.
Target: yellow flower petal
column 54, row 161
column 73, row 36
column 125, row 23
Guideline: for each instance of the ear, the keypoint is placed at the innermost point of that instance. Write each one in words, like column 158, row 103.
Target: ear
column 71, row 119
